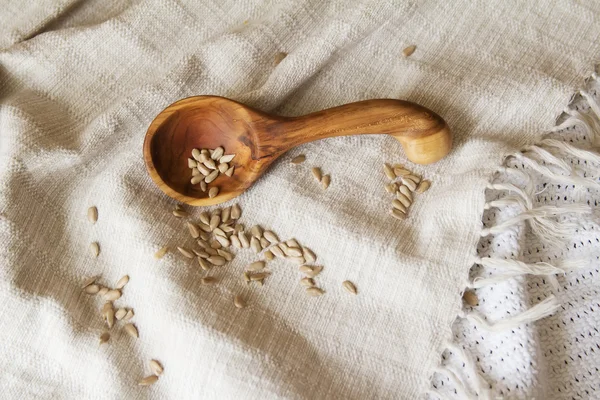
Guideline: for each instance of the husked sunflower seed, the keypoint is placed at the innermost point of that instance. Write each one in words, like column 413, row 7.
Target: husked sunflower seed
column 217, row 153
column 113, row 294
column 293, row 252
column 203, row 186
column 149, row 380
column 88, row 282
column 470, row 298
column 192, row 163
column 325, row 181
column 316, row 171
column 215, row 220
column 91, row 289
column 161, row 252
column 196, row 154
column 195, row 172
column 205, row 227
column 299, row 159
column 389, row 171
column 423, row 186
column 210, row 164
column 298, row 260
column 223, row 240
column 194, row 230
column 226, row 214
column 235, row 241
column 129, row 315
column 108, row 312
column 236, row 211
column 308, row 255
column 403, row 199
column 391, row 187
column 270, row 236
column 244, row 240
column 105, row 337
column 122, row 282
column 406, row 191
column 204, row 236
column 120, row 314
column 205, row 265
column 259, row 276
column 226, row 158
column 409, row 50
column 277, row 251
column 95, row 249
column 246, row 277
column 156, row 367
column 219, row 232
column 205, row 218
column 398, row 214
column 131, row 330
column 203, row 169
column 269, row 255
column 212, row 176
column 350, row 287
column 214, row 244
column 239, row 301
column 223, row 167
column 213, row 192
column 279, row 58
column 311, row 272
column 264, row 243
column 292, row 243
column 208, row 280
column 225, row 254
column 401, row 171
column 217, row 260
column 201, row 253
column 238, row 228
column 180, row 213
column 103, row 290
column 255, row 245
column 399, row 206
column 185, row 252
column 308, row 282
column 410, row 184
column 256, row 231
column 226, row 228
column 178, row 207
column 314, row 291
column 92, row 214
column 196, row 179
column 256, row 266
column 229, row 172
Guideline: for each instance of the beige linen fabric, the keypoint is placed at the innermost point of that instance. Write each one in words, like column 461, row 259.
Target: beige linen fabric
column 79, row 85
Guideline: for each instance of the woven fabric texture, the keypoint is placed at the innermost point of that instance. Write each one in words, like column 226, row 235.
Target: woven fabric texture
column 81, row 81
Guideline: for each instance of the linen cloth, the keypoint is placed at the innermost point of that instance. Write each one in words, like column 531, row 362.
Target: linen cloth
column 80, row 83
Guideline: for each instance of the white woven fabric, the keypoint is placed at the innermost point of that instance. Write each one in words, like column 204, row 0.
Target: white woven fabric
column 80, row 83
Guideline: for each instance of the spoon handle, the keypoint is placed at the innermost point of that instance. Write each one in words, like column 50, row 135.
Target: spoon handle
column 424, row 135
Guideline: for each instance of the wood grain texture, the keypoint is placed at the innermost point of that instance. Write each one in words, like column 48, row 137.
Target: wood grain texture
column 258, row 139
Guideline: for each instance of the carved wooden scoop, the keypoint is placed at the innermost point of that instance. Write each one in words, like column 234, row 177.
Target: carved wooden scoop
column 257, row 139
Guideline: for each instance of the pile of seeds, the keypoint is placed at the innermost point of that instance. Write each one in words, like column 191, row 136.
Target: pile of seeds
column 207, row 165
column 404, row 184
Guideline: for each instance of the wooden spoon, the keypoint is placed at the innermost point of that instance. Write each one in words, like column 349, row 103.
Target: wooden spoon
column 257, row 139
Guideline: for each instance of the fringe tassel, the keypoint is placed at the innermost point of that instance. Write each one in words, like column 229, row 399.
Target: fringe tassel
column 567, row 180
column 458, row 384
column 566, row 148
column 548, row 158
column 482, row 387
column 539, row 311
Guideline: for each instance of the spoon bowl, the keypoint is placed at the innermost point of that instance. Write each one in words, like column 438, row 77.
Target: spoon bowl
column 257, row 139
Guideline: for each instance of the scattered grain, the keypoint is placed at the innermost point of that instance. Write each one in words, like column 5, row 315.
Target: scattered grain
column 129, row 315
column 256, row 231
column 131, row 330
column 92, row 214
column 113, row 294
column 255, row 244
column 279, row 58
column 161, row 252
column 292, row 243
column 156, row 367
column 120, row 313
column 270, row 236
column 217, row 260
column 103, row 291
column 92, row 289
column 311, row 272
column 470, row 298
column 180, row 213
column 308, row 282
column 89, row 281
column 259, row 276
column 148, row 381
column 423, row 186
column 256, row 266
column 389, row 171
column 314, row 291
column 105, row 337
column 95, row 249
column 229, row 172
column 122, row 282
column 185, row 252
column 269, row 255
column 309, row 255
column 226, row 214
column 350, row 287
column 325, row 181
column 213, row 192
column 239, row 301
column 316, row 171
column 208, row 280
column 299, row 159
column 409, row 50
column 215, row 220
column 236, row 211
column 205, row 265
column 398, row 214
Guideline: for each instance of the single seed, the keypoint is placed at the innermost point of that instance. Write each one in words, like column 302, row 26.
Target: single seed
column 131, row 330
column 239, row 301
column 244, row 240
column 201, row 253
column 223, row 167
column 209, row 280
column 120, row 314
column 316, row 171
column 398, row 214
column 204, row 218
column 277, row 251
column 156, row 368
column 389, row 171
column 236, row 211
column 226, row 228
column 89, row 281
column 178, row 207
column 314, row 291
column 411, row 178
column 406, row 191
column 223, row 240
column 269, row 255
column 206, row 152
column 236, row 241
column 423, row 186
column 92, row 289
column 292, row 243
column 195, row 172
column 192, row 163
column 226, row 214
column 297, row 260
column 112, row 295
column 180, row 213
column 215, row 220
column 229, row 172
column 311, row 272
column 204, row 170
column 256, row 266
column 350, row 287
column 194, row 230
column 255, row 245
column 225, row 254
column 219, row 232
column 196, row 179
column 205, row 227
column 217, row 153
column 264, row 243
column 259, row 276
column 399, row 206
column 226, row 158
column 409, row 50
column 470, row 298
column 325, row 181
column 238, row 228
column 213, row 251
column 108, row 312
column 279, row 58
column 256, row 231
column 185, row 252
column 95, row 249
column 203, row 186
column 299, row 159
column 204, row 235
column 214, row 244
column 161, row 252
column 246, row 277
column 309, row 255
column 92, row 214
column 103, row 291
column 213, row 192
column 217, row 260
column 129, row 315
column 122, row 282
column 105, row 337
column 401, row 171
column 293, row 252
column 391, row 187
column 210, row 164
column 196, row 154
column 270, row 236
column 308, row 282
column 205, row 265
column 211, row 177
column 403, row 199
column 149, row 380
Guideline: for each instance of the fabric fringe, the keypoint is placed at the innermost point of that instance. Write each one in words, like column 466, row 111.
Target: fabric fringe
column 546, row 158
